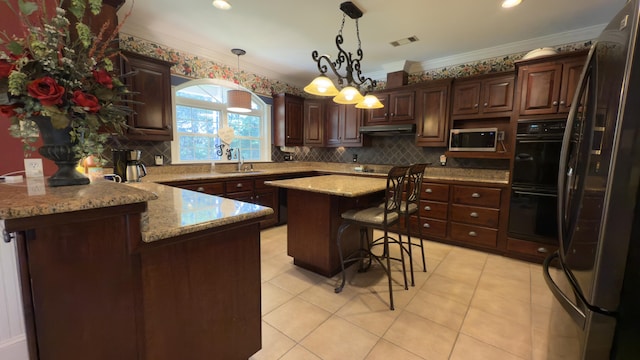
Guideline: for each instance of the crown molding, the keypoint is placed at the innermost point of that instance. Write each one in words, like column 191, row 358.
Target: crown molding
column 568, row 37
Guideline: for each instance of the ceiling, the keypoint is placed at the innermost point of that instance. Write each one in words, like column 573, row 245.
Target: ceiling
column 279, row 35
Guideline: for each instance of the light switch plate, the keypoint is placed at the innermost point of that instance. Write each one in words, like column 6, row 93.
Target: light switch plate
column 33, row 168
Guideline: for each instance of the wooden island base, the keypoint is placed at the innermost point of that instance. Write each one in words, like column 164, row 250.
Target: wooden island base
column 312, row 227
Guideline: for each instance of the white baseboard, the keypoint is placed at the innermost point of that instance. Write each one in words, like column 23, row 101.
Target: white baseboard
column 14, row 349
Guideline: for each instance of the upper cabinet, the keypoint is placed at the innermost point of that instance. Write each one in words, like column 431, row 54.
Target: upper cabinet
column 314, row 120
column 328, row 124
column 547, row 85
column 483, row 96
column 399, row 108
column 288, row 120
column 432, row 113
column 343, row 125
column 151, row 85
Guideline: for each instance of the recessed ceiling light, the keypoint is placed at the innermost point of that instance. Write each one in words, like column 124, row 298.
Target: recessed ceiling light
column 510, row 3
column 222, row 4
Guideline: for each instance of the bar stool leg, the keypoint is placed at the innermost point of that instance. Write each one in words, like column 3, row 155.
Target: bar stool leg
column 339, row 240
column 386, row 253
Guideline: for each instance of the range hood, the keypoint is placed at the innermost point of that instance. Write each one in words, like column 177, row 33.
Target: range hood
column 388, row 130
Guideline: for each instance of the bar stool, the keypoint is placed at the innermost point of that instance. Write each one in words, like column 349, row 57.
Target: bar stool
column 414, row 183
column 381, row 218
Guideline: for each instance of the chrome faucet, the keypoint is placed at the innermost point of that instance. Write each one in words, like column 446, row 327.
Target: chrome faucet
column 240, row 161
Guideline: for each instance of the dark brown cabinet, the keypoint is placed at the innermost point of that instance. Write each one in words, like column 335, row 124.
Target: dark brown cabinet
column 343, row 125
column 432, row 114
column 152, row 118
column 547, row 85
column 483, row 96
column 288, row 120
column 399, row 107
column 314, row 121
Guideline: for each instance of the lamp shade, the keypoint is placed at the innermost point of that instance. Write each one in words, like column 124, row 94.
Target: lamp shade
column 370, row 102
column 348, row 95
column 238, row 101
column 321, row 86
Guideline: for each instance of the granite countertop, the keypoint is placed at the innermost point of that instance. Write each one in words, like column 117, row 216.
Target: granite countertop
column 33, row 198
column 166, row 174
column 341, row 185
column 177, row 211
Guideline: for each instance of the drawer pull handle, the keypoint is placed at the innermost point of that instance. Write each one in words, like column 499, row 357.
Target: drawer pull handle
column 200, row 189
column 473, row 233
column 426, row 225
column 475, row 195
column 238, row 185
column 427, row 208
column 474, row 214
column 428, row 190
column 543, row 250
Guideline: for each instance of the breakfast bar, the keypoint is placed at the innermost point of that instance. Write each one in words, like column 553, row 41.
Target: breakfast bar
column 315, row 204
column 135, row 271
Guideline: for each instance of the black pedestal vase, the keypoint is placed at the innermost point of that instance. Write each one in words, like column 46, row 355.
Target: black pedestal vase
column 59, row 148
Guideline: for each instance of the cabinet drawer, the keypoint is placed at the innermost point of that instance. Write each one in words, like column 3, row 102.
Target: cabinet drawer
column 474, row 234
column 433, row 227
column 259, row 184
column 480, row 196
column 207, row 188
column 437, row 192
column 433, row 209
column 232, row 186
column 475, row 215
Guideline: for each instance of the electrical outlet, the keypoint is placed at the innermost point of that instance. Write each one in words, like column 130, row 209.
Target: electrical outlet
column 500, row 135
column 35, row 186
column 33, row 168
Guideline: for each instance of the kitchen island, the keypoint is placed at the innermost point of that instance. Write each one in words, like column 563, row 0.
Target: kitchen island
column 315, row 204
column 142, row 271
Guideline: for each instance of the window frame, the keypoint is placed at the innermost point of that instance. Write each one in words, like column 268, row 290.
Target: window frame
column 264, row 113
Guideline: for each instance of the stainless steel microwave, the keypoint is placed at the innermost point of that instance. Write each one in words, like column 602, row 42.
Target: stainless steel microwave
column 484, row 139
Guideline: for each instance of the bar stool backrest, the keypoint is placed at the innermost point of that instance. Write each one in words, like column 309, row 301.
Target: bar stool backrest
column 414, row 182
column 393, row 194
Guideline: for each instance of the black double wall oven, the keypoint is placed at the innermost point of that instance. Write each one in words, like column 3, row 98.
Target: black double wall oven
column 534, row 188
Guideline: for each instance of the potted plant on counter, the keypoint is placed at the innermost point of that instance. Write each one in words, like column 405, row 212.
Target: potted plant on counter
column 59, row 82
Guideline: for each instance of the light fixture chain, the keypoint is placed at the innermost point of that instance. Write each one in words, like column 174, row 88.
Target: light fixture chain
column 358, row 35
column 342, row 26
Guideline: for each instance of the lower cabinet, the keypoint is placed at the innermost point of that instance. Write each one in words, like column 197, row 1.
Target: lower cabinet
column 247, row 189
column 467, row 214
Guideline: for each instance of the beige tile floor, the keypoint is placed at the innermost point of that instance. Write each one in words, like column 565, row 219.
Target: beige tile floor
column 468, row 305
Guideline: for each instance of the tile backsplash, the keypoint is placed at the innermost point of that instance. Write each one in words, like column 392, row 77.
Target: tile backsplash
column 384, row 150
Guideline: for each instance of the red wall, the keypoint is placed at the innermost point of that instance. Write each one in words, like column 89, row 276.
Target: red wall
column 11, row 148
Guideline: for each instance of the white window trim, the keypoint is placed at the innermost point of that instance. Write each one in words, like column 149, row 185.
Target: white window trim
column 265, row 150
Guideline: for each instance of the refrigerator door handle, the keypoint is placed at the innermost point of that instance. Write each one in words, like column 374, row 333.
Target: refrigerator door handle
column 572, row 309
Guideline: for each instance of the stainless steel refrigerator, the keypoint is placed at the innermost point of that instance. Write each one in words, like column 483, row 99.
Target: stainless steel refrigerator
column 595, row 275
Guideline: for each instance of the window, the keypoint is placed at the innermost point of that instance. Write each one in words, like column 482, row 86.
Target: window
column 200, row 114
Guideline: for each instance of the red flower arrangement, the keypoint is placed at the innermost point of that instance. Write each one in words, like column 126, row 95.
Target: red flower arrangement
column 64, row 72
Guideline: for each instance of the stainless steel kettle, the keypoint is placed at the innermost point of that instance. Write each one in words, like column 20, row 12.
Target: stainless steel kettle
column 135, row 170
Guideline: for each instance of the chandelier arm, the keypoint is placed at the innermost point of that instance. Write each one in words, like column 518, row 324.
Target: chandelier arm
column 318, row 59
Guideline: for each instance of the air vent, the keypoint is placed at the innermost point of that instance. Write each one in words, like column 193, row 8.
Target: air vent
column 404, row 41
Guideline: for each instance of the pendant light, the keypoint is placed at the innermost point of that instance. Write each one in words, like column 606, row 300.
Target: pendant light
column 352, row 79
column 238, row 100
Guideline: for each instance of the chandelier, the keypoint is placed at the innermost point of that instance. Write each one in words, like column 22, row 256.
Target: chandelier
column 352, row 81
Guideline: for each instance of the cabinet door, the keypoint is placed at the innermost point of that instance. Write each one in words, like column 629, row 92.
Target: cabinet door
column 294, row 123
column 152, row 87
column 332, row 129
column 378, row 116
column 402, row 106
column 288, row 120
column 539, row 88
column 268, row 198
column 432, row 116
column 498, row 94
column 466, row 97
column 571, row 71
column 313, row 123
column 350, row 126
